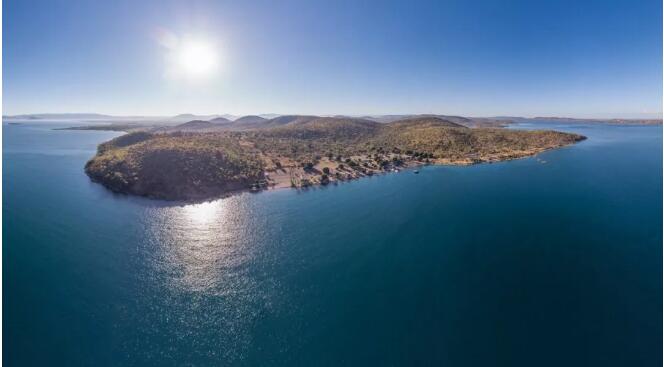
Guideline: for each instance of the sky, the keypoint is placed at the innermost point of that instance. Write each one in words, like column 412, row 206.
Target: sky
column 475, row 58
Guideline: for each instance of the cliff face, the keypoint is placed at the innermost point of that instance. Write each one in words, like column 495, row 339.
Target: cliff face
column 201, row 165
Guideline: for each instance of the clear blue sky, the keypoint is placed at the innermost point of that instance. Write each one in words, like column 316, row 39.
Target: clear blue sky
column 480, row 58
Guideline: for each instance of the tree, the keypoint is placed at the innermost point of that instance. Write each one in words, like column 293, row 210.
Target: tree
column 326, row 170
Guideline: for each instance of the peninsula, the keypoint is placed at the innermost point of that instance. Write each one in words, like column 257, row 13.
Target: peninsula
column 201, row 160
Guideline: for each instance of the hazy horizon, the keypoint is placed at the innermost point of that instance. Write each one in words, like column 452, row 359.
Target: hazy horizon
column 591, row 116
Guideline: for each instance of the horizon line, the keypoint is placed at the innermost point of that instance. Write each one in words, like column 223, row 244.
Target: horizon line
column 620, row 116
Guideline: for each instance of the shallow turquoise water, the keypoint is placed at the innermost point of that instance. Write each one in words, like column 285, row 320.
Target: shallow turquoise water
column 520, row 263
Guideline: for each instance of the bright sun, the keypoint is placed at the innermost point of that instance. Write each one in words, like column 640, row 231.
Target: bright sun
column 196, row 58
column 190, row 57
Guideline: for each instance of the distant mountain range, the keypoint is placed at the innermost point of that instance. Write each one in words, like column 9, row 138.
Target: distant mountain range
column 257, row 122
column 189, row 117
column 612, row 121
column 185, row 117
column 60, row 116
column 251, row 119
column 276, row 119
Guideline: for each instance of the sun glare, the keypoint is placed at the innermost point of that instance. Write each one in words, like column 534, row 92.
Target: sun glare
column 196, row 58
column 189, row 57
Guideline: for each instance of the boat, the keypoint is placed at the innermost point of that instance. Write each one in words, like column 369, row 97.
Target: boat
column 416, row 172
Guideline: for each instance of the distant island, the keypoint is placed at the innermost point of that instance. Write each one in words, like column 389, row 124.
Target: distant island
column 201, row 160
column 602, row 121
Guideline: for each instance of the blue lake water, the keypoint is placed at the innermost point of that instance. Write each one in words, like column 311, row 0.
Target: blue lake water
column 547, row 261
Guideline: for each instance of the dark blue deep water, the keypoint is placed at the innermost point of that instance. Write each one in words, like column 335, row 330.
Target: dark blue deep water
column 547, row 261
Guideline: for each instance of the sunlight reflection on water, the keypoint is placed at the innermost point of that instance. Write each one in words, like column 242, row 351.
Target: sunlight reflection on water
column 203, row 247
column 209, row 263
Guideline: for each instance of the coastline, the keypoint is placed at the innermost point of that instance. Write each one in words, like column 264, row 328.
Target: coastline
column 304, row 152
column 281, row 184
column 408, row 167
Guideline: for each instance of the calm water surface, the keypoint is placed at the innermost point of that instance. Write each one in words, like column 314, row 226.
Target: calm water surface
column 547, row 261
